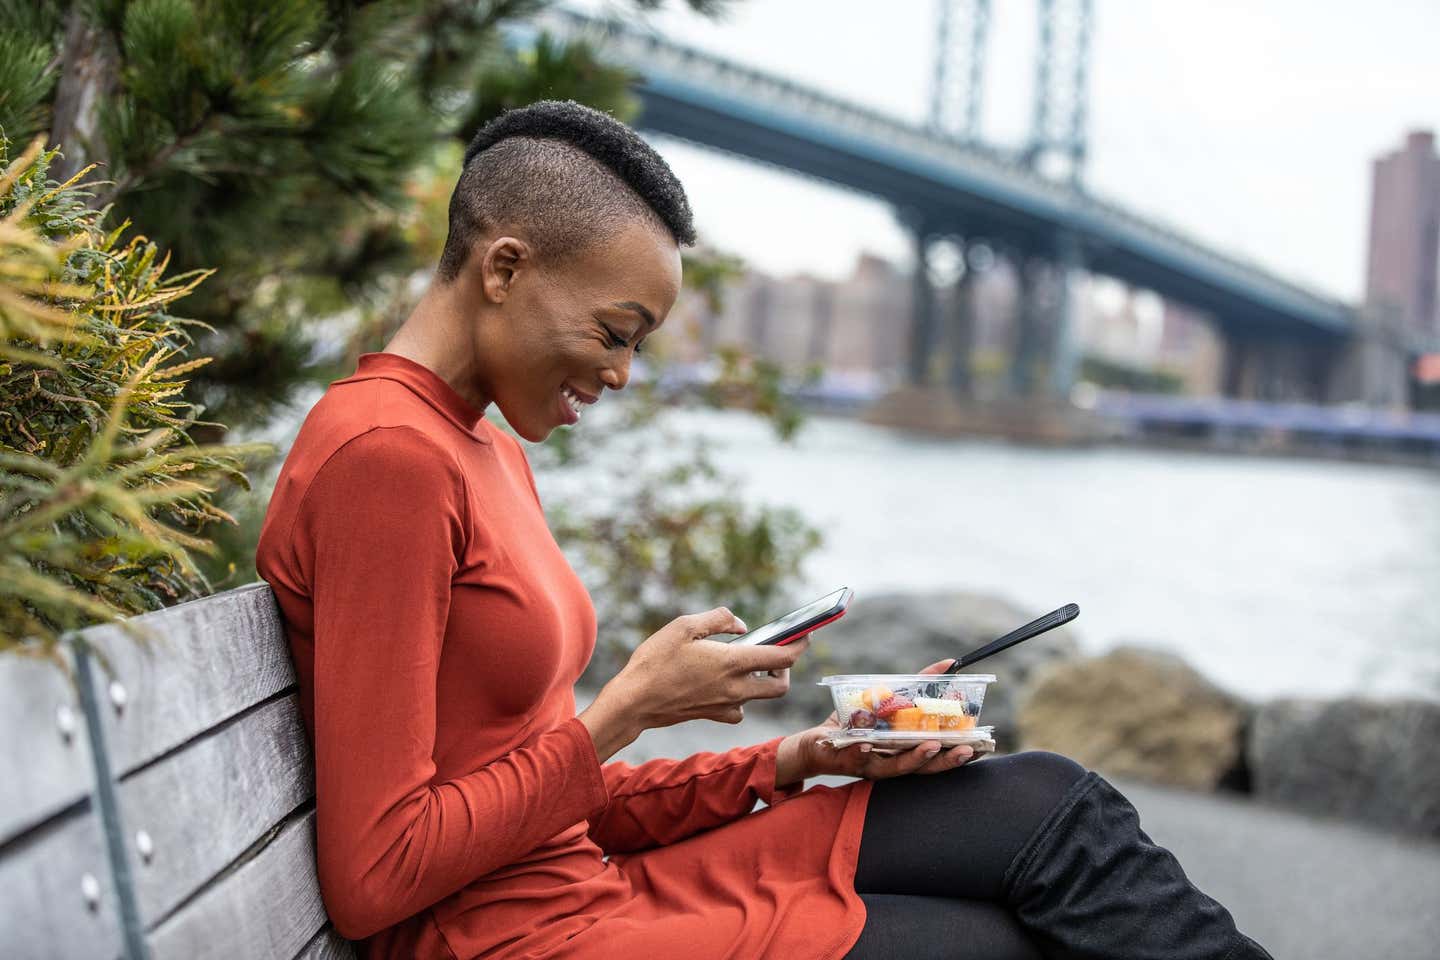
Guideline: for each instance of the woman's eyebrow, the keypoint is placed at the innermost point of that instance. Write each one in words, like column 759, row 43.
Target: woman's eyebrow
column 639, row 308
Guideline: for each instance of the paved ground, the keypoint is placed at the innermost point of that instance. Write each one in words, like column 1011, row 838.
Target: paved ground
column 1305, row 888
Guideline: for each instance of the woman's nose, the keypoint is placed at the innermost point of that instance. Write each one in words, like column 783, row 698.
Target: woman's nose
column 617, row 375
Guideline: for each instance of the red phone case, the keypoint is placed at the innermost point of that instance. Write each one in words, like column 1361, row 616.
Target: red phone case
column 792, row 639
column 817, row 626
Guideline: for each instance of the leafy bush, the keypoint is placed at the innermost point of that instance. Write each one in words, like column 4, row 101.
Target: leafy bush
column 103, row 496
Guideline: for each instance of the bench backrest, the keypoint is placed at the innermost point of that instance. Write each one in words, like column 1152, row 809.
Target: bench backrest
column 163, row 808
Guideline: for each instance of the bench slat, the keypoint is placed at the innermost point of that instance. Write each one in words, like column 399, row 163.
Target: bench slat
column 328, row 945
column 207, row 661
column 206, row 804
column 43, row 912
column 268, row 909
column 43, row 772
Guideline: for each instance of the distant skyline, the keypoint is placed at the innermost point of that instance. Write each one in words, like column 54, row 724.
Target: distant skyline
column 1249, row 126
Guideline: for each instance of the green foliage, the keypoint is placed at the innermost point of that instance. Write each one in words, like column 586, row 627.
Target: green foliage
column 1108, row 373
column 551, row 71
column 25, row 81
column 103, row 497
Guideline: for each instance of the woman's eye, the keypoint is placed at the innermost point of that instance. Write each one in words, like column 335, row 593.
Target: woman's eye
column 617, row 341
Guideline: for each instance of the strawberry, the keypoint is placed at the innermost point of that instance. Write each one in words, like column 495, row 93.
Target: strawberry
column 892, row 703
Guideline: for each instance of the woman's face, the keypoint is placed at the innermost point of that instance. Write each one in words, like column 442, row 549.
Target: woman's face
column 567, row 331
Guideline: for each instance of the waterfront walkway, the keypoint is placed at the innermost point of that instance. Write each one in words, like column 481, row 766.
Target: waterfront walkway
column 1303, row 887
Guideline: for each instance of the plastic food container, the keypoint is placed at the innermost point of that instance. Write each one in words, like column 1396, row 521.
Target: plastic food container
column 909, row 706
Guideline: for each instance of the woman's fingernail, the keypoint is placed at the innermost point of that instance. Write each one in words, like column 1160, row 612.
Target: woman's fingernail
column 932, row 751
column 864, row 748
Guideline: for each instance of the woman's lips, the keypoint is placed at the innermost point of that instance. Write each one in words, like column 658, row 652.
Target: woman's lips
column 568, row 415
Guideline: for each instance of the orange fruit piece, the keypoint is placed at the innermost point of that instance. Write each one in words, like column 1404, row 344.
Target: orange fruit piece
column 875, row 696
column 930, row 722
column 957, row 723
column 910, row 718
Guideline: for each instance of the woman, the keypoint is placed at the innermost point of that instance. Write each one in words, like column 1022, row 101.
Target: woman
column 464, row 810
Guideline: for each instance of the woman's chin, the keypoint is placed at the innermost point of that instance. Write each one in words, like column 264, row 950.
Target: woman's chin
column 529, row 432
column 537, row 429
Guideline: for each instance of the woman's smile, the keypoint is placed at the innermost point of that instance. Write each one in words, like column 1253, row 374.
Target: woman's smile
column 571, row 401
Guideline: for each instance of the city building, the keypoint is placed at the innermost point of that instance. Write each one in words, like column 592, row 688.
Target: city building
column 1405, row 233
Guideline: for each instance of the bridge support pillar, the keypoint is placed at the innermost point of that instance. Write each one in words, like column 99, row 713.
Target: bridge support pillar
column 1237, row 373
column 1373, row 366
column 962, row 329
column 923, row 313
column 1028, row 351
column 1283, row 370
column 1065, row 360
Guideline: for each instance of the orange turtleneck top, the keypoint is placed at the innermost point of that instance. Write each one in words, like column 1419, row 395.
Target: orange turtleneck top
column 461, row 809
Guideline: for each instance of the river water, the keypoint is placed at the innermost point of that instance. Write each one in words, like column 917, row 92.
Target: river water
column 1271, row 576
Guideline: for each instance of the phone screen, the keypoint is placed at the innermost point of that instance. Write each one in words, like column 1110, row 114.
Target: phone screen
column 778, row 628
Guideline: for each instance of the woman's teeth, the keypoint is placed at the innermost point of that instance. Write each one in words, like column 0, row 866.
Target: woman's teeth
column 575, row 403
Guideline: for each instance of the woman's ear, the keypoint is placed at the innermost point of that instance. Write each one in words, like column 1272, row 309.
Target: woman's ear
column 503, row 262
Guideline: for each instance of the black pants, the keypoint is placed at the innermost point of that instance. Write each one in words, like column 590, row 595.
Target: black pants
column 1026, row 856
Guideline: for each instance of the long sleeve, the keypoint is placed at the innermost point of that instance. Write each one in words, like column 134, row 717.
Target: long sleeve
column 382, row 526
column 663, row 801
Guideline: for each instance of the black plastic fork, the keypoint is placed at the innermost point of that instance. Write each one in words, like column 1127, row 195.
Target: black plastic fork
column 1034, row 628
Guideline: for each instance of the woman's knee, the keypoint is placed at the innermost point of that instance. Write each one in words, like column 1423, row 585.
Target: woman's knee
column 1033, row 782
column 1045, row 767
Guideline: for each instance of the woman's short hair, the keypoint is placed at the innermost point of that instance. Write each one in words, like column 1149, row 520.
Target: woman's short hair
column 563, row 176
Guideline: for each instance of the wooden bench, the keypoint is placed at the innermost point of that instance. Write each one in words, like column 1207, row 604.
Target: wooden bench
column 166, row 811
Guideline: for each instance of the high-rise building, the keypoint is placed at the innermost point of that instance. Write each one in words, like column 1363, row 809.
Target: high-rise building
column 1405, row 233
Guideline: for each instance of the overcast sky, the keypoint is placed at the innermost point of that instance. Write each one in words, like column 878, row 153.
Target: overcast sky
column 1250, row 124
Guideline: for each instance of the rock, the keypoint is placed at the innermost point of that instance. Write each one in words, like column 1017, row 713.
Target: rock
column 1136, row 713
column 1376, row 761
column 902, row 632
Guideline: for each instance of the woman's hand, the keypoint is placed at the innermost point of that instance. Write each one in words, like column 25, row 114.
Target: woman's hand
column 802, row 755
column 680, row 674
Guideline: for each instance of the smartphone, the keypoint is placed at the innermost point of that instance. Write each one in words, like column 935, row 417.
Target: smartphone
column 799, row 622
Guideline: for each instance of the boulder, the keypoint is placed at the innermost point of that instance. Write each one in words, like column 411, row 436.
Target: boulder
column 1376, row 761
column 1136, row 713
column 902, row 632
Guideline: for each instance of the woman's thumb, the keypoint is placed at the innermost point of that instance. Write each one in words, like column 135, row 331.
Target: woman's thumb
column 721, row 620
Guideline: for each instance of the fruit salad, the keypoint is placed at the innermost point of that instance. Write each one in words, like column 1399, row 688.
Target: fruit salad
column 887, row 706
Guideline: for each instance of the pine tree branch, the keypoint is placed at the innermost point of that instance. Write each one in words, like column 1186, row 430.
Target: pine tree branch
column 136, row 175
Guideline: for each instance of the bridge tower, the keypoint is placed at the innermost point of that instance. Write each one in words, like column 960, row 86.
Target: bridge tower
column 956, row 101
column 957, row 91
column 1056, row 150
column 1059, row 113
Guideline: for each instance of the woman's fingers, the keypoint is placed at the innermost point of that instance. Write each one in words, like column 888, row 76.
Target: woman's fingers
column 765, row 686
column 747, row 659
column 903, row 763
column 939, row 666
column 947, row 759
column 719, row 620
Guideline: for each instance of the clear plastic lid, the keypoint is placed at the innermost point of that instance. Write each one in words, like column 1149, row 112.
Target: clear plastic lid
column 870, row 733
column 848, row 678
column 904, row 739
